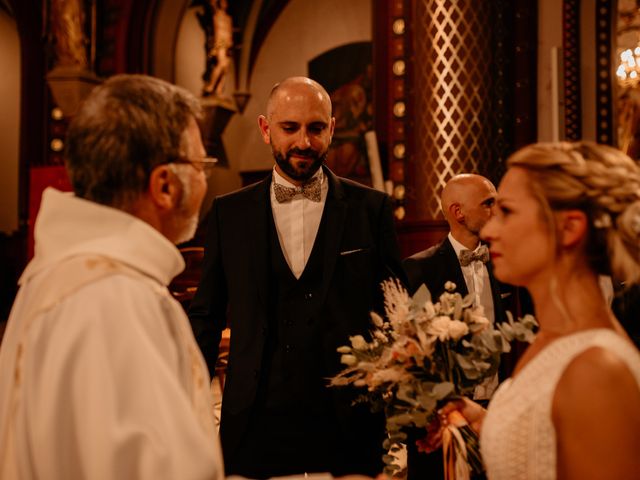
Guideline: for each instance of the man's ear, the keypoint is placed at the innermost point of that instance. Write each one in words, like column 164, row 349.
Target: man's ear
column 455, row 212
column 164, row 187
column 572, row 227
column 263, row 123
column 332, row 126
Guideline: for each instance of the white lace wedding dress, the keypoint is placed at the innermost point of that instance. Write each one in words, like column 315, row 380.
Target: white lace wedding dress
column 518, row 439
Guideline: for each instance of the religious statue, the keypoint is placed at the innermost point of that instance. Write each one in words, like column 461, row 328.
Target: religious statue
column 218, row 29
column 70, row 78
column 67, row 25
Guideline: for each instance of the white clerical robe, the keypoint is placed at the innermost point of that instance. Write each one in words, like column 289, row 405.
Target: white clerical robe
column 100, row 376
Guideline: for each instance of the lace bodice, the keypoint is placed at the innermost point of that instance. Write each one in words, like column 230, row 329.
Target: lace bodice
column 518, row 438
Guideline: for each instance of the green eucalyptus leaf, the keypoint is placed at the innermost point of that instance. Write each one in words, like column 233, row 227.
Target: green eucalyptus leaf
column 422, row 296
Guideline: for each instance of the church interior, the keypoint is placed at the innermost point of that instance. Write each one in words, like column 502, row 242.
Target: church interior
column 421, row 89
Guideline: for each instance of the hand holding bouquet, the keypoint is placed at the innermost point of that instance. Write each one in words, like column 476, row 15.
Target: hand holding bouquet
column 423, row 355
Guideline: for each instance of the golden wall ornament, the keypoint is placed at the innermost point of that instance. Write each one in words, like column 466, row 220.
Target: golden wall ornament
column 67, row 26
column 452, row 134
column 70, row 79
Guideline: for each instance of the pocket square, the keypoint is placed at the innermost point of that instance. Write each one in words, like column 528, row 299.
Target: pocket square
column 349, row 252
column 505, row 295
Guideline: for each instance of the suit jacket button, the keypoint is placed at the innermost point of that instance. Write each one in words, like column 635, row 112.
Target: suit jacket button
column 308, row 296
column 288, row 348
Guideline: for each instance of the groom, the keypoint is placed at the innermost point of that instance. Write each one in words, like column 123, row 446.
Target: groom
column 467, row 202
column 294, row 265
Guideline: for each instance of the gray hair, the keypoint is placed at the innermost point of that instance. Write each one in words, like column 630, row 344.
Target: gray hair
column 127, row 127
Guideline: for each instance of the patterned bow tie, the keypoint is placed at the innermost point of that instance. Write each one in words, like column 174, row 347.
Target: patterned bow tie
column 310, row 190
column 468, row 256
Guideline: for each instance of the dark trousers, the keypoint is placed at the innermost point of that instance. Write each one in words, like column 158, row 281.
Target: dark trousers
column 280, row 444
column 428, row 466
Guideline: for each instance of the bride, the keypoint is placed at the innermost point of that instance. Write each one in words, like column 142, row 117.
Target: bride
column 566, row 213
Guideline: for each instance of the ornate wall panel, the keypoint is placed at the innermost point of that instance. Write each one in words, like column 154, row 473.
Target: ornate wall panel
column 571, row 74
column 523, row 94
column 452, row 82
column 605, row 12
column 392, row 60
column 501, row 105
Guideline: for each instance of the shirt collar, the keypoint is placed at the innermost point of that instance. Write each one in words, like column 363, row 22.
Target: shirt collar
column 458, row 247
column 67, row 225
column 280, row 180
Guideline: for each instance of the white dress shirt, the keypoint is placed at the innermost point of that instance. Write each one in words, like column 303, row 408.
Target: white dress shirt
column 297, row 222
column 476, row 276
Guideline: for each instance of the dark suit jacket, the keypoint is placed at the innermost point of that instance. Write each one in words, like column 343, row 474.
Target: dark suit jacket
column 360, row 251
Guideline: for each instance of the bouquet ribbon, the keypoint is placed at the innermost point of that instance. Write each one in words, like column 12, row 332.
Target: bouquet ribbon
column 459, row 448
column 455, row 454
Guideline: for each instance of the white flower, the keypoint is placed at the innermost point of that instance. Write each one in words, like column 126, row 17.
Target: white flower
column 457, row 329
column 476, row 319
column 444, row 328
column 439, row 327
column 450, row 286
column 349, row 360
column 358, row 342
column 344, row 349
column 380, row 336
column 377, row 320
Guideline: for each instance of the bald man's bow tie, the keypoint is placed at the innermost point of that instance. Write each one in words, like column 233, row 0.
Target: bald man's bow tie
column 310, row 190
column 479, row 254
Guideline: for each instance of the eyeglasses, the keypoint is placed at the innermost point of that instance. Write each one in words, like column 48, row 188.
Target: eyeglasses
column 203, row 164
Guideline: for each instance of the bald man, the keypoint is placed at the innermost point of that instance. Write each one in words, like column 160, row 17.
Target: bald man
column 466, row 203
column 294, row 264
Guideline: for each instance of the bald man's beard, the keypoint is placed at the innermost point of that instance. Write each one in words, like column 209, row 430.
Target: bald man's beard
column 300, row 174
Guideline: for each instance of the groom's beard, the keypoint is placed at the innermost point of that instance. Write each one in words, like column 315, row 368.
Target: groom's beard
column 300, row 173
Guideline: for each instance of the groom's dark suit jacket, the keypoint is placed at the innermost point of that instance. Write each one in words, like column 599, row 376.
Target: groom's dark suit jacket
column 355, row 249
column 434, row 267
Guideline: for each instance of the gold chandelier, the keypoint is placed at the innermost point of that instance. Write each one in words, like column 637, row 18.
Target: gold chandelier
column 628, row 71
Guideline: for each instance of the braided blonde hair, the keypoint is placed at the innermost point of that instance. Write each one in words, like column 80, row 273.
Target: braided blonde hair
column 601, row 181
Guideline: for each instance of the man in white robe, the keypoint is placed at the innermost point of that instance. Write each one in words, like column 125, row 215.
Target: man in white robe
column 100, row 376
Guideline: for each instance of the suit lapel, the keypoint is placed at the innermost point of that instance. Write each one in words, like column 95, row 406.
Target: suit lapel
column 259, row 228
column 333, row 217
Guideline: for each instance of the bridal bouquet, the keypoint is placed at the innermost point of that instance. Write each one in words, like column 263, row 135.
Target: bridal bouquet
column 419, row 357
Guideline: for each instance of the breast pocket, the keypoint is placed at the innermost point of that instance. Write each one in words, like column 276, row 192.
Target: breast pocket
column 357, row 262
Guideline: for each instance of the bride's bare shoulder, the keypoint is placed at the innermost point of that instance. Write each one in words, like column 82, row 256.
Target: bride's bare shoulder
column 597, row 372
column 596, row 416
